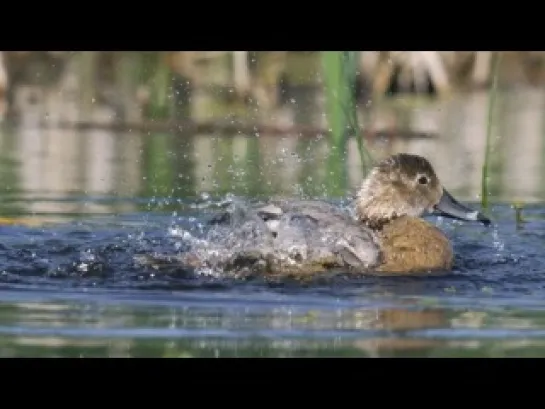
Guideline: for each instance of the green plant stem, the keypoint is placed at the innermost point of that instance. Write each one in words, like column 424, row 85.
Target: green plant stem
column 339, row 99
column 340, row 70
column 519, row 219
column 491, row 104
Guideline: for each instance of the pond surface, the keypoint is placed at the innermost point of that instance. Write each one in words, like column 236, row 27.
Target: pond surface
column 76, row 207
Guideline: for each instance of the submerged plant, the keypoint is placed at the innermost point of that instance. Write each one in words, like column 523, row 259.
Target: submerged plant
column 518, row 207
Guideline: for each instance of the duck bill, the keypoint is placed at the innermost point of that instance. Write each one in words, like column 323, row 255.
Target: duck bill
column 448, row 206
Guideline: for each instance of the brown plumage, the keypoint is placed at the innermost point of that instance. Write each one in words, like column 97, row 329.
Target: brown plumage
column 301, row 238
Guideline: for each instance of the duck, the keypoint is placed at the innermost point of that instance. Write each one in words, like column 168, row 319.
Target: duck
column 382, row 232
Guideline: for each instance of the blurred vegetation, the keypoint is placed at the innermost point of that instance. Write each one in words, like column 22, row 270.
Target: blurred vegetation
column 246, row 84
column 260, row 95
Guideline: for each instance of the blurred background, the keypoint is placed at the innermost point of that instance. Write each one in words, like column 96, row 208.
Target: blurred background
column 125, row 145
column 156, row 124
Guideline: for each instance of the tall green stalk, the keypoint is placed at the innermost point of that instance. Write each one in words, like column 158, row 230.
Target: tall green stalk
column 338, row 94
column 340, row 70
column 491, row 104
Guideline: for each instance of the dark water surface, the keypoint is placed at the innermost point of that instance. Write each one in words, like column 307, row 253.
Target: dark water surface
column 76, row 207
column 71, row 289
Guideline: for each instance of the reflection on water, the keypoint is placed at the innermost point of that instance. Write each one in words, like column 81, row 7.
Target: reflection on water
column 45, row 164
column 50, row 306
column 183, row 326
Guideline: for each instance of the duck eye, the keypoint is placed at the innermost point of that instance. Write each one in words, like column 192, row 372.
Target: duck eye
column 422, row 180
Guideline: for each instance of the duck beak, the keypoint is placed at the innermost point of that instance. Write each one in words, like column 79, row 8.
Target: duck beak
column 450, row 207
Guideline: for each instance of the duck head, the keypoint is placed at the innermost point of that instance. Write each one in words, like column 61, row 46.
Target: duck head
column 407, row 185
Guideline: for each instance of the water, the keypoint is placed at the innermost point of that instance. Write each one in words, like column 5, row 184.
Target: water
column 77, row 206
column 72, row 290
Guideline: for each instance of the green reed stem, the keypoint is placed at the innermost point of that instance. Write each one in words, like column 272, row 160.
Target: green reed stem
column 340, row 70
column 518, row 213
column 491, row 103
column 339, row 101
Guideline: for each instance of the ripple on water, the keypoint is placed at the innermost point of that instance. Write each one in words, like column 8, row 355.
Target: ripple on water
column 498, row 274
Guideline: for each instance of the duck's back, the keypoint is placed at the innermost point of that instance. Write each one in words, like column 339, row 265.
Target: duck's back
column 279, row 238
column 311, row 236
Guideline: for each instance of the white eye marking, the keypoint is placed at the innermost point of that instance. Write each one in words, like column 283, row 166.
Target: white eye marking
column 423, row 179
